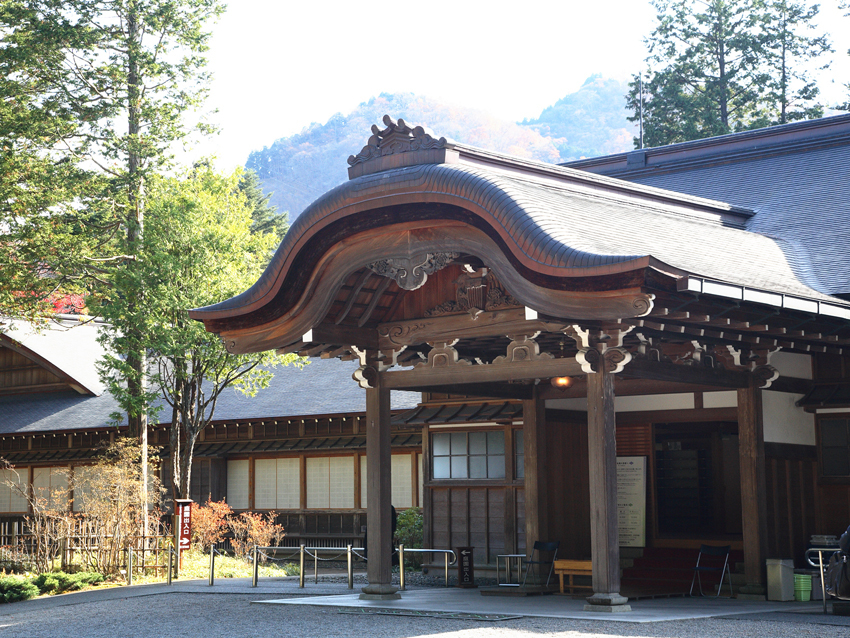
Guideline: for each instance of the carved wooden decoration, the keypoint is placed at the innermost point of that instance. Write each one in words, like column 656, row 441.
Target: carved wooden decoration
column 477, row 291
column 411, row 273
column 613, row 359
column 372, row 363
column 522, row 348
column 443, row 355
column 765, row 375
column 396, row 138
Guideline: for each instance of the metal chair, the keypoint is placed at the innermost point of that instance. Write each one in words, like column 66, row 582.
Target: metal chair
column 712, row 559
column 542, row 550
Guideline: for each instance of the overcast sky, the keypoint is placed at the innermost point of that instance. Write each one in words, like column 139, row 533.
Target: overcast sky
column 278, row 66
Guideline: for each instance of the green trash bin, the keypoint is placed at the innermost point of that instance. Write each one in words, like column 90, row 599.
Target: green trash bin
column 802, row 587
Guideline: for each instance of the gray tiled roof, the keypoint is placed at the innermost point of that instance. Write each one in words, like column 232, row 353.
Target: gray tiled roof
column 561, row 221
column 321, row 387
column 795, row 178
column 800, row 199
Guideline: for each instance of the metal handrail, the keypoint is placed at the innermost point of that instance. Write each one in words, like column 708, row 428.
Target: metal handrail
column 213, row 552
column 402, row 551
column 349, row 551
column 172, row 556
column 819, row 565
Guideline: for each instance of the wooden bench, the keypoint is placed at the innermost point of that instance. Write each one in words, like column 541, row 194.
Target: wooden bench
column 573, row 568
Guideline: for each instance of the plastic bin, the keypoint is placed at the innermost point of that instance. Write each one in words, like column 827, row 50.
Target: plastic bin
column 780, row 579
column 803, row 587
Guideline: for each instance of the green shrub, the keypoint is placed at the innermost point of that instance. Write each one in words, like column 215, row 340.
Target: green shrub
column 408, row 532
column 60, row 582
column 15, row 588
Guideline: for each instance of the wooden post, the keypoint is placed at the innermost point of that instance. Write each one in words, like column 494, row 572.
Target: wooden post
column 602, row 464
column 753, row 489
column 378, row 495
column 534, row 443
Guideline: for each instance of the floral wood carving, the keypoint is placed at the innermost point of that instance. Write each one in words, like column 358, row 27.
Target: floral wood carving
column 476, row 292
column 396, row 138
column 412, row 273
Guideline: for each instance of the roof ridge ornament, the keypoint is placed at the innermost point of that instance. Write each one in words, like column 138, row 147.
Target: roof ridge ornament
column 384, row 147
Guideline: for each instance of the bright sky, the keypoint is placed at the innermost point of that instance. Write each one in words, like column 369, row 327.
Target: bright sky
column 280, row 65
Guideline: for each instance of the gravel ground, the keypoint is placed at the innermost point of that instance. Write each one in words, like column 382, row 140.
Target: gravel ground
column 227, row 613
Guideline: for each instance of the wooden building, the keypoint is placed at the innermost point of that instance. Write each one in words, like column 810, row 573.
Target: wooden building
column 697, row 325
column 296, row 448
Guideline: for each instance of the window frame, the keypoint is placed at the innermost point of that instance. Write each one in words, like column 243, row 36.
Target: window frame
column 830, row 479
column 467, row 480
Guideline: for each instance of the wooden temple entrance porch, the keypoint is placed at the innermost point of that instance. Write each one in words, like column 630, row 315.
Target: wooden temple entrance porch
column 449, row 269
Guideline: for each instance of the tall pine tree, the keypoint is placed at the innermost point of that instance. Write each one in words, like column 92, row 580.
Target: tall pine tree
column 101, row 90
column 720, row 66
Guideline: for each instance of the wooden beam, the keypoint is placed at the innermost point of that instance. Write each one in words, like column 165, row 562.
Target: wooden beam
column 484, row 390
column 700, row 375
column 422, row 377
column 358, row 286
column 602, row 465
column 379, row 495
column 363, row 338
column 753, row 486
column 497, row 323
column 535, row 450
column 373, row 303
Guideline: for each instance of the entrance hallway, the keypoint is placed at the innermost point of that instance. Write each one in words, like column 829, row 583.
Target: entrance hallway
column 470, row 601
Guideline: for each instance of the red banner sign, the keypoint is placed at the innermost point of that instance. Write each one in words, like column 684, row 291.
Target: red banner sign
column 184, row 538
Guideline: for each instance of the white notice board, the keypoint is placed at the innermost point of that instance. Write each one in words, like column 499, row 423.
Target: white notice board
column 631, row 500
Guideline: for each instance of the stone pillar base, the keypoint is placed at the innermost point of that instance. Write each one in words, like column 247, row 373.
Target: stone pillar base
column 608, row 603
column 752, row 591
column 380, row 591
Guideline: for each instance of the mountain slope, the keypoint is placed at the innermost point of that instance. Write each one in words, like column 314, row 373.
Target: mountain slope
column 300, row 168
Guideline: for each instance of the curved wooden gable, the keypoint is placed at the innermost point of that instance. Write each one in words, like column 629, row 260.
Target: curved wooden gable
column 567, row 245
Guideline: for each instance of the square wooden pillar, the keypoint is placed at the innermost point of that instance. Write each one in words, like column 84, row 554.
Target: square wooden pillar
column 753, row 489
column 379, row 542
column 602, row 462
column 536, row 497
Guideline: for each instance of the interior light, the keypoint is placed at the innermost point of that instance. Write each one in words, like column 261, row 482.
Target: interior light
column 562, row 383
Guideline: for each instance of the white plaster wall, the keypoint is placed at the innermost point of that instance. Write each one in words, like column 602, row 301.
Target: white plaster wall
column 791, row 364
column 683, row 401
column 784, row 422
column 723, row 399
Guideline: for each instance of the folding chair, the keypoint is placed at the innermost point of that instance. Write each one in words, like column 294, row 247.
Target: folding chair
column 542, row 550
column 712, row 559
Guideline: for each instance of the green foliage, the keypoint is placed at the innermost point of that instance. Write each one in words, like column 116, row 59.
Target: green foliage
column 409, row 532
column 60, row 582
column 198, row 249
column 93, row 96
column 15, row 588
column 720, row 66
column 264, row 216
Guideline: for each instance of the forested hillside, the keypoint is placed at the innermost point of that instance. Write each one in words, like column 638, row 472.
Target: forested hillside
column 299, row 168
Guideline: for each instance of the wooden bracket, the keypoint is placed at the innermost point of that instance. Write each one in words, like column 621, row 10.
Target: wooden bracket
column 522, row 348
column 443, row 355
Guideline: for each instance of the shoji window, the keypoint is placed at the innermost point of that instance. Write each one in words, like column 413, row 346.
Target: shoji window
column 11, row 484
column 51, row 485
column 237, row 484
column 83, row 478
column 330, row 482
column 277, row 484
column 402, row 480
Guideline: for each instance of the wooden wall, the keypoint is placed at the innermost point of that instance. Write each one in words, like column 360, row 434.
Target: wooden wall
column 568, row 487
